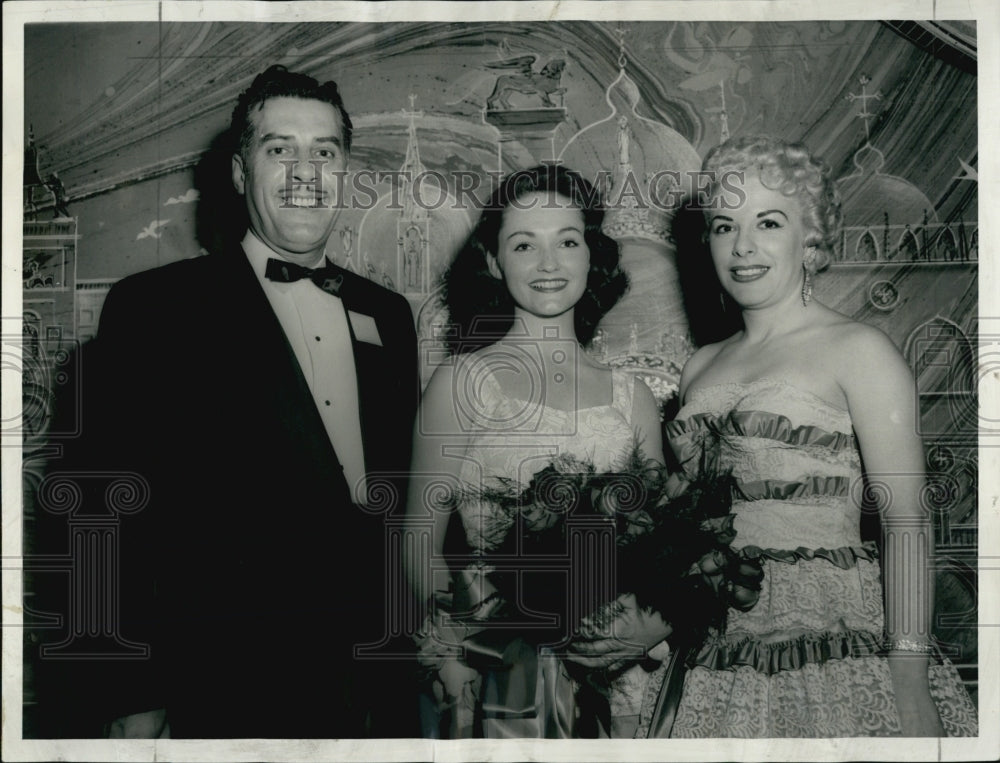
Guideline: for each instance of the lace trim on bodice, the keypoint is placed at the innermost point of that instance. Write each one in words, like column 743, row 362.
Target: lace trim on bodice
column 727, row 396
column 749, row 410
column 493, row 411
column 514, row 439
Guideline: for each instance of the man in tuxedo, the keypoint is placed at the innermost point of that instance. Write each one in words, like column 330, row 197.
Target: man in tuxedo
column 267, row 398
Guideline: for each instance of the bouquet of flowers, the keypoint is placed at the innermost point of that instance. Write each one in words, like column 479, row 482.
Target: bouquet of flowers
column 666, row 543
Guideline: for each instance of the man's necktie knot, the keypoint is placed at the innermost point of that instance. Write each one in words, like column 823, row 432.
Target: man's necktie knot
column 286, row 272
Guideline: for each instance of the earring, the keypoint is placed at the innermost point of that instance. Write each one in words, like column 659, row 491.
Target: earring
column 807, row 286
column 808, row 265
column 722, row 300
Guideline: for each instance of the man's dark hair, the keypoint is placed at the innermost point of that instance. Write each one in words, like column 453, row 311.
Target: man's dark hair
column 278, row 82
column 480, row 307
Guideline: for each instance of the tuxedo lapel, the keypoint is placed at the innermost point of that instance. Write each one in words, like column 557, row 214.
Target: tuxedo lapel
column 368, row 366
column 384, row 372
column 374, row 369
column 276, row 368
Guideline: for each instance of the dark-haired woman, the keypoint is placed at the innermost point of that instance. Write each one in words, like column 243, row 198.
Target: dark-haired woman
column 519, row 393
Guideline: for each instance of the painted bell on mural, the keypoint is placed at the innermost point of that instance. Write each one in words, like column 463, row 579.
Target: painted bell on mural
column 644, row 168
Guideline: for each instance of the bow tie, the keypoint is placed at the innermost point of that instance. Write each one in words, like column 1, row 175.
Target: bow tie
column 286, row 272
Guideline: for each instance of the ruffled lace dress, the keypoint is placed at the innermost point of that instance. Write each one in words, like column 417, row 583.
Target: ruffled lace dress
column 513, row 441
column 804, row 662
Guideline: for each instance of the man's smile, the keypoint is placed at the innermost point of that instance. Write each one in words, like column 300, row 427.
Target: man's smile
column 306, row 199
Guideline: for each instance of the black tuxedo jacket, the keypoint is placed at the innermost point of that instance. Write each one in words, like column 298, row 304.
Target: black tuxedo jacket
column 250, row 573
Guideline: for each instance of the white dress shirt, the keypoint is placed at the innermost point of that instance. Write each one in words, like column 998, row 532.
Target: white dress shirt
column 316, row 326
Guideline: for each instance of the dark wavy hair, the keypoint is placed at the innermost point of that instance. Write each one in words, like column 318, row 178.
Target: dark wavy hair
column 480, row 307
column 791, row 169
column 277, row 82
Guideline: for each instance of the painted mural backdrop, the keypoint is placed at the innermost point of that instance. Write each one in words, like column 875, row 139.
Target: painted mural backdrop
column 124, row 173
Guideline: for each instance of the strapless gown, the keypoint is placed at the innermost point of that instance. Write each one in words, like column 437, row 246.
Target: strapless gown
column 512, row 441
column 805, row 661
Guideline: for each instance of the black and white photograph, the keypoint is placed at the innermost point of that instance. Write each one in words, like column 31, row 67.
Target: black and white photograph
column 500, row 381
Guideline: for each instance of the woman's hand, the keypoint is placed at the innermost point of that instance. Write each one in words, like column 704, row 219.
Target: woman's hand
column 455, row 676
column 149, row 725
column 625, row 638
column 675, row 485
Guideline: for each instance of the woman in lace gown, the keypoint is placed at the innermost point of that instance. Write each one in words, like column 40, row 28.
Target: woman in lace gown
column 798, row 403
column 519, row 394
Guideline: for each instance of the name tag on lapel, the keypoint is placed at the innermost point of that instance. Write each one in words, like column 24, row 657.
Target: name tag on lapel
column 364, row 327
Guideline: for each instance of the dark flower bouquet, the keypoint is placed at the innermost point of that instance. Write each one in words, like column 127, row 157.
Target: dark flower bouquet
column 635, row 531
column 671, row 538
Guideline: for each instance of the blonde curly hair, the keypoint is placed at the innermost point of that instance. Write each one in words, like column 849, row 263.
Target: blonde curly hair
column 792, row 170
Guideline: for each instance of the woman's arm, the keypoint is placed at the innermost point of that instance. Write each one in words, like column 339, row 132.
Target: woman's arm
column 881, row 397
column 646, row 422
column 439, row 441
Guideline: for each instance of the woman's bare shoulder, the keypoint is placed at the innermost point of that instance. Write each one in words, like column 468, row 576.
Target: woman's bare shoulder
column 852, row 342
column 859, row 355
